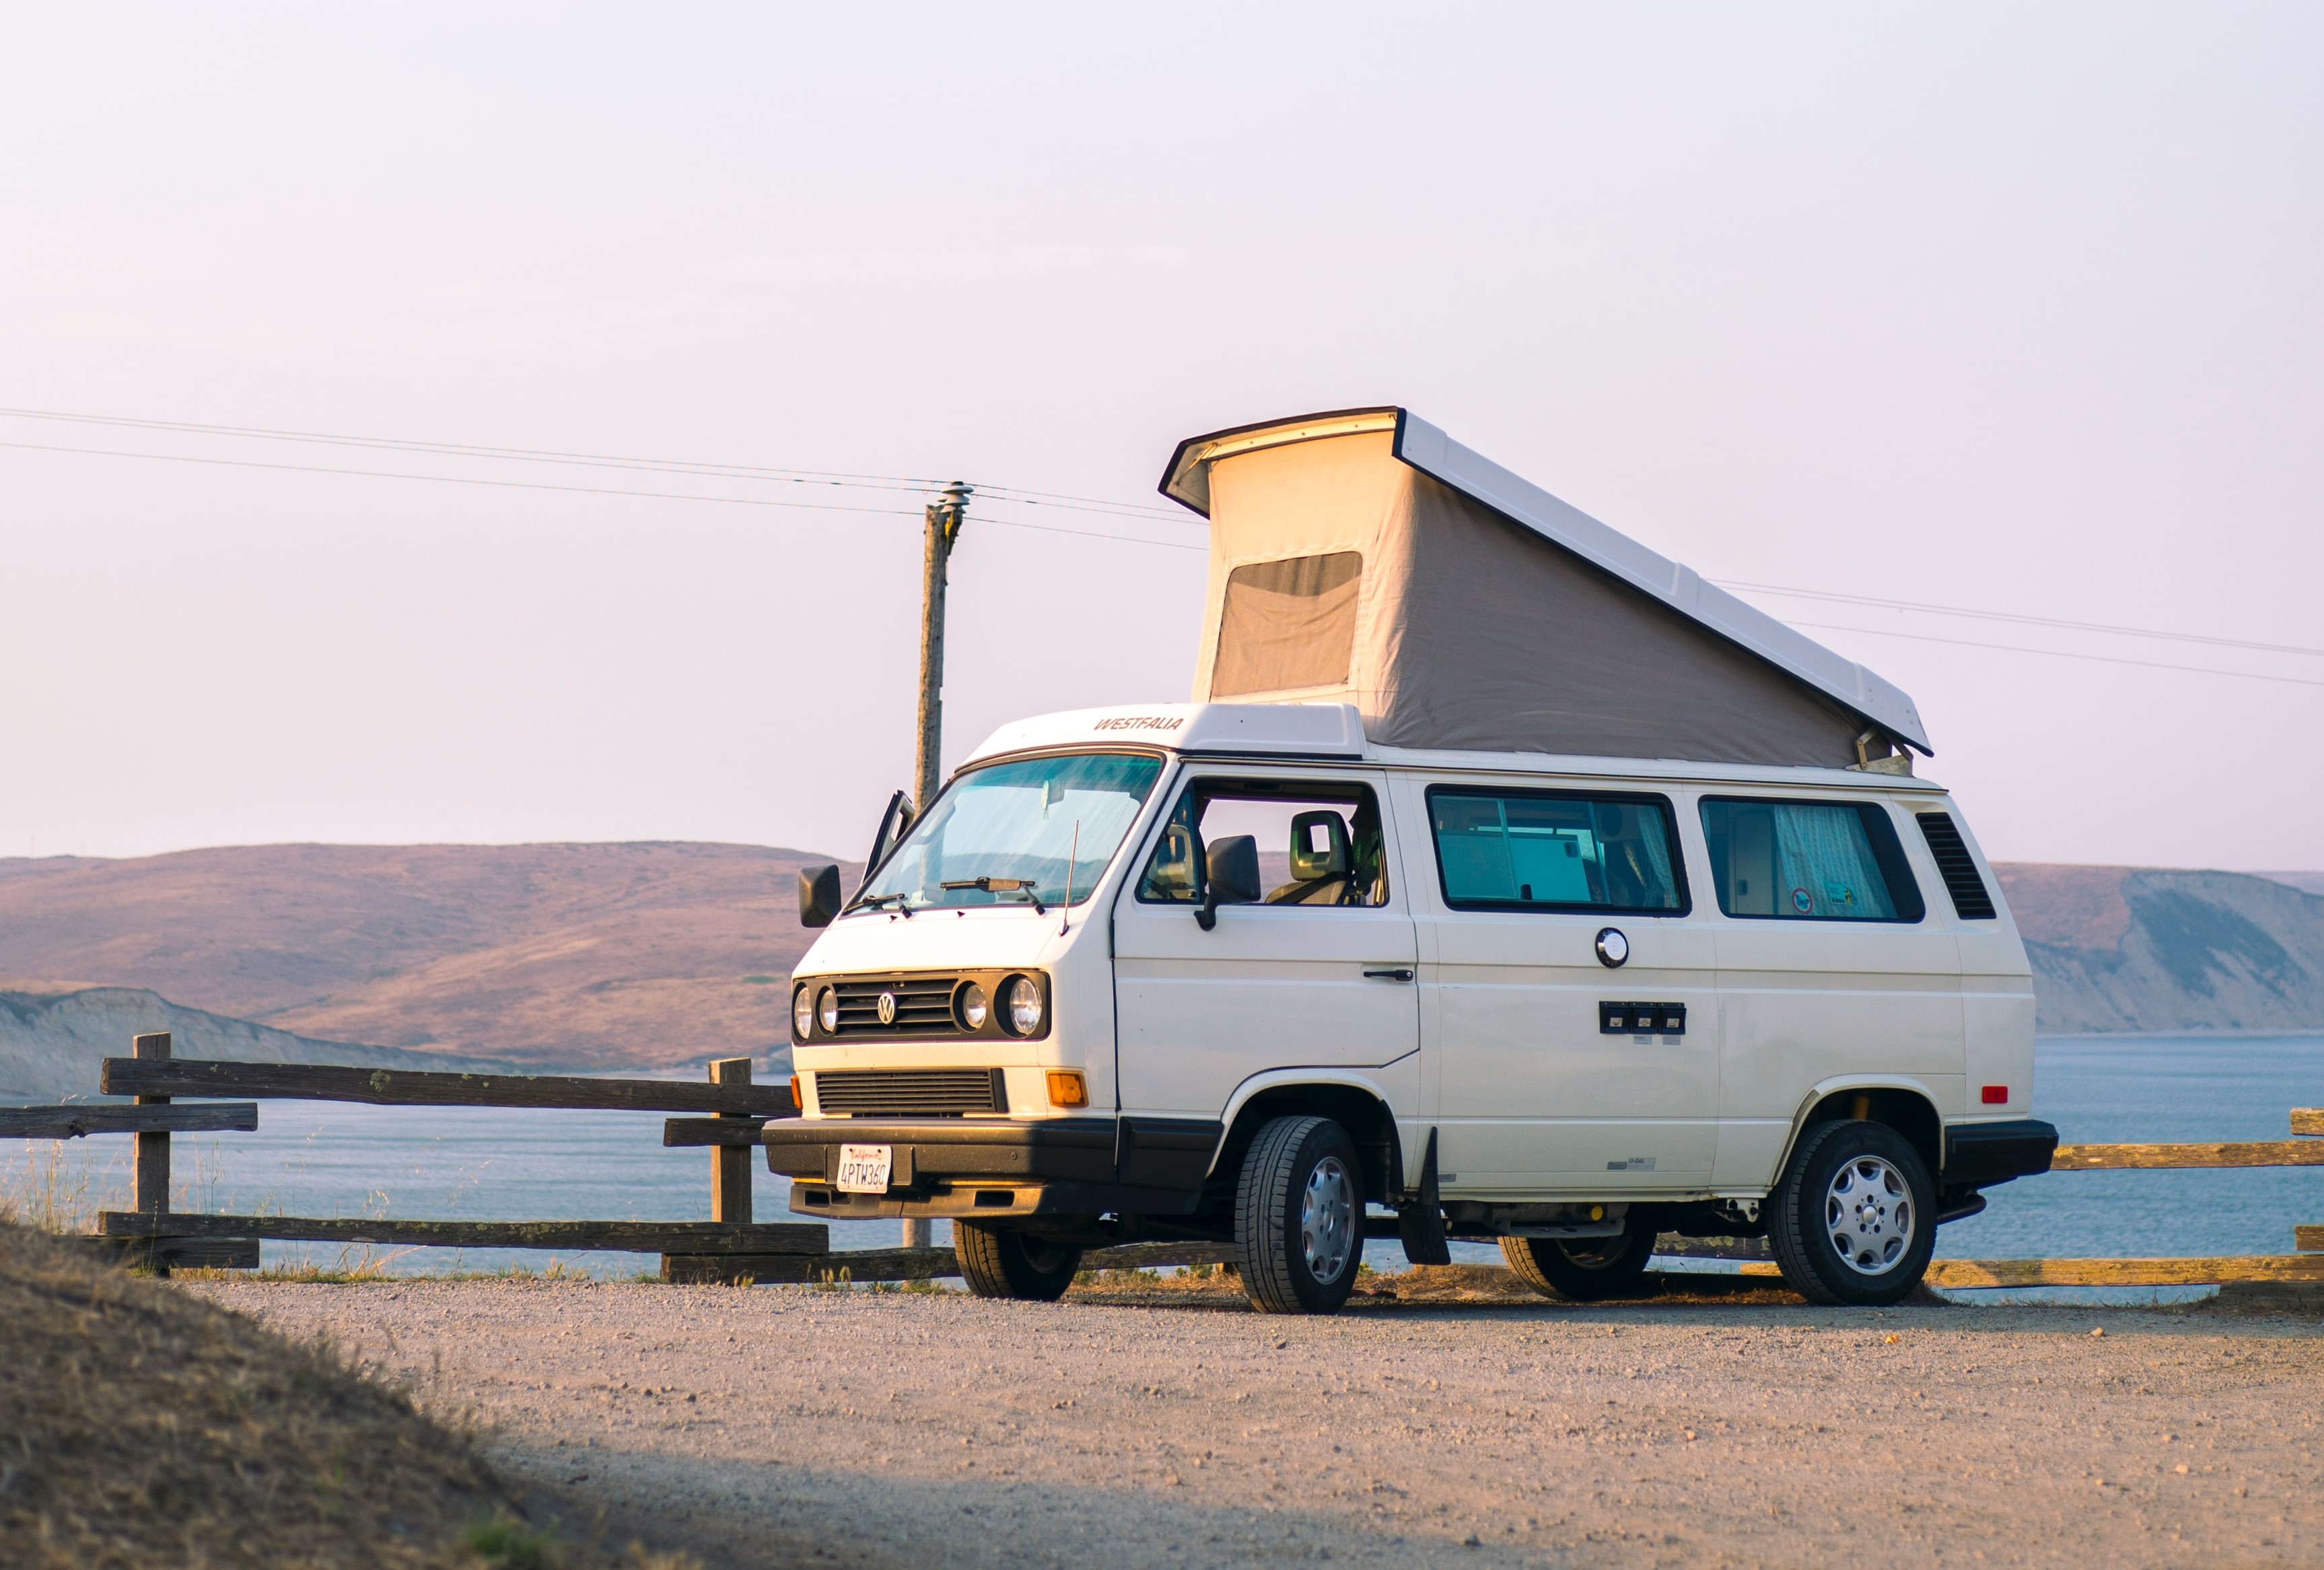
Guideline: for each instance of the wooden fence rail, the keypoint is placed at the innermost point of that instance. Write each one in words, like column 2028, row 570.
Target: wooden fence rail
column 78, row 1120
column 628, row 1237
column 2154, row 1157
column 404, row 1087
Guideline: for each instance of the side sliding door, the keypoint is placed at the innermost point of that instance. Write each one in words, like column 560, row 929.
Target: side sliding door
column 1567, row 992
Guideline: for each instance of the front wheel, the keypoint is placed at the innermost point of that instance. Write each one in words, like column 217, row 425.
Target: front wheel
column 1854, row 1220
column 1299, row 1217
column 1586, row 1269
column 1005, row 1262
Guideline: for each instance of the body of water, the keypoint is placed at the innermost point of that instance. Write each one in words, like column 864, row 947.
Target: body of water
column 322, row 1159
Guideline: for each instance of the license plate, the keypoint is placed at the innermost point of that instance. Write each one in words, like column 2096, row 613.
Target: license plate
column 864, row 1168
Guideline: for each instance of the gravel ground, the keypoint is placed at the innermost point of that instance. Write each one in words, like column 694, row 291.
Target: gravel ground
column 777, row 1426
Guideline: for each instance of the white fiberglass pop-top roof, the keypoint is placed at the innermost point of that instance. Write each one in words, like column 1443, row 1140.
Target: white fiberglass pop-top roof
column 1429, row 450
column 1323, row 730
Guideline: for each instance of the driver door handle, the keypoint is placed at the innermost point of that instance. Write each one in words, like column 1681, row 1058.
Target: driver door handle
column 1399, row 974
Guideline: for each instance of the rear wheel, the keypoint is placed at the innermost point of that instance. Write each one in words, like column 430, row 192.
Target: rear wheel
column 1005, row 1262
column 1299, row 1217
column 1586, row 1269
column 1854, row 1220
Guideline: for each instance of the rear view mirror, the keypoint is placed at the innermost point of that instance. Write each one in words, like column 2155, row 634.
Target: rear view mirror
column 1231, row 878
column 818, row 894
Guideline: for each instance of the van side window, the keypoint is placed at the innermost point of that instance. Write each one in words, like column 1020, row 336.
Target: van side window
column 1808, row 861
column 1319, row 843
column 1540, row 850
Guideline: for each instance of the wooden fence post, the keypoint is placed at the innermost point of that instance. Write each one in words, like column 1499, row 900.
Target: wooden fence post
column 149, row 1178
column 730, row 1165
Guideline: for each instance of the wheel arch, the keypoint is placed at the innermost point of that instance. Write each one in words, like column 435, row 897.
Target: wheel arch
column 1358, row 1105
column 1905, row 1105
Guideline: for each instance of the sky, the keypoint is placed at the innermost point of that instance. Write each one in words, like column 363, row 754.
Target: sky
column 2010, row 308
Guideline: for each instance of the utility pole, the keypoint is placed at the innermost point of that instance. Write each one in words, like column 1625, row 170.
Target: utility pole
column 944, row 517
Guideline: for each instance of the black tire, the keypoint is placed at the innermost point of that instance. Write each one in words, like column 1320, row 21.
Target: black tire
column 1587, row 1270
column 999, row 1261
column 1887, row 1215
column 1276, row 1219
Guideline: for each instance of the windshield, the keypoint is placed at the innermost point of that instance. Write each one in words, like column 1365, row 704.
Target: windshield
column 1002, row 834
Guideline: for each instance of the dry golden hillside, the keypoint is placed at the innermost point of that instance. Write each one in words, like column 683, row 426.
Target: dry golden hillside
column 584, row 955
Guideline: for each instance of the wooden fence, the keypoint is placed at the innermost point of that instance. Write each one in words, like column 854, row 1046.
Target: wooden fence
column 727, row 1113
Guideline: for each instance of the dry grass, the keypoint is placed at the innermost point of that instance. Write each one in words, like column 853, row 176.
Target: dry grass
column 142, row 1426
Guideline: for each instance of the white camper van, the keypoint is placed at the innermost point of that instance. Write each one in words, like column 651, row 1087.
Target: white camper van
column 1503, row 882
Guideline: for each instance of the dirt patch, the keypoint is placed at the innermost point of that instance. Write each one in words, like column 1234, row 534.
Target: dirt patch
column 1160, row 1422
column 140, row 1426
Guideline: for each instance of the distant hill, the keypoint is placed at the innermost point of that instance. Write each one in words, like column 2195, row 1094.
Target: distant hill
column 589, row 957
column 2306, row 883
column 2148, row 950
column 50, row 1043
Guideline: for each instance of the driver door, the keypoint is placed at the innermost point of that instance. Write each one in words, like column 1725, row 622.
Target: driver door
column 1319, row 971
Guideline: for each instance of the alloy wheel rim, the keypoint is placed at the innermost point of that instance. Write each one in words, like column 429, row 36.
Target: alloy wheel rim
column 1327, row 1212
column 1867, row 1214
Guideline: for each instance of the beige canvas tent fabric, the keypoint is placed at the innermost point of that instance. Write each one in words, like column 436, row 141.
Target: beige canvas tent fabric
column 1454, row 627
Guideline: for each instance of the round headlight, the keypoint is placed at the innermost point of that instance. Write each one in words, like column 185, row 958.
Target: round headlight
column 803, row 1013
column 975, row 1006
column 1024, row 1005
column 826, row 1010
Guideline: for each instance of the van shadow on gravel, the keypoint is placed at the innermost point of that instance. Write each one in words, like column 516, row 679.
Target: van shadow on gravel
column 746, row 1515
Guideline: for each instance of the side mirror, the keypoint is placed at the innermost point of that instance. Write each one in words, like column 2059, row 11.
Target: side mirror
column 894, row 824
column 1230, row 878
column 819, row 897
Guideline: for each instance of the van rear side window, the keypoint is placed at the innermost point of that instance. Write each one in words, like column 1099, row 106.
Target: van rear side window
column 1528, row 850
column 1808, row 861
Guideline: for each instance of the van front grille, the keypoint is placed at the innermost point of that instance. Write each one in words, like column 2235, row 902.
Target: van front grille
column 923, row 1007
column 1958, row 868
column 909, row 1093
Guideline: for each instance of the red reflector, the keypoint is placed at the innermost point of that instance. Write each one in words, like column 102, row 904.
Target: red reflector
column 1996, row 1095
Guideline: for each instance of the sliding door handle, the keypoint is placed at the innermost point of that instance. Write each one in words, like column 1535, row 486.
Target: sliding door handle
column 1394, row 975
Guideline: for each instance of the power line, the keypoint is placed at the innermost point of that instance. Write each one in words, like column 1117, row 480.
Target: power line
column 599, row 460
column 1131, row 509
column 569, row 490
column 2063, row 654
column 470, row 450
column 1801, row 593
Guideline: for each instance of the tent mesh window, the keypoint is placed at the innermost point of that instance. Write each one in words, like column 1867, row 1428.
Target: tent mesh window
column 1956, row 867
column 1288, row 625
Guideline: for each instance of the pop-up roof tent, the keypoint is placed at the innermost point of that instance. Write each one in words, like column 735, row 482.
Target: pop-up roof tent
column 1364, row 557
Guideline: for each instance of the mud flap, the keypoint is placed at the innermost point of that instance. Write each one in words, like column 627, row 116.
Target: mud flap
column 1420, row 1219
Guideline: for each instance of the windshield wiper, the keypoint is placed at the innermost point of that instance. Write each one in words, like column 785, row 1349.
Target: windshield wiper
column 873, row 901
column 1002, row 886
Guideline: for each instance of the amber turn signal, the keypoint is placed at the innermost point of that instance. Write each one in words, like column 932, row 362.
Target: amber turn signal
column 798, row 1102
column 1067, row 1087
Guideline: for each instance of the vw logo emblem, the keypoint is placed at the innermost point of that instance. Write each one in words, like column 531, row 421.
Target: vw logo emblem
column 887, row 1008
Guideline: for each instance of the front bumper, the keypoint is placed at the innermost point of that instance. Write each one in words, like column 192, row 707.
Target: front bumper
column 1979, row 1155
column 1000, row 1167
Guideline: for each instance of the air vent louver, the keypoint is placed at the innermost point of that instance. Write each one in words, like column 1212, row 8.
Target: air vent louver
column 909, row 1093
column 1971, row 900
